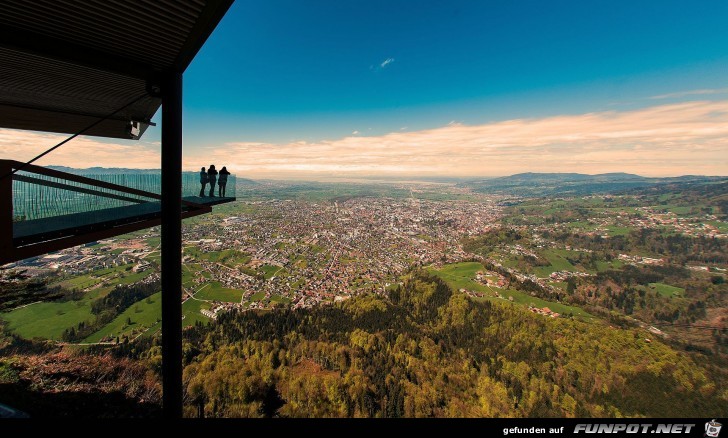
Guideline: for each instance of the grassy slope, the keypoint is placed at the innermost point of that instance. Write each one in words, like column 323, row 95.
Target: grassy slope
column 666, row 290
column 216, row 292
column 191, row 312
column 49, row 320
column 460, row 275
column 143, row 315
column 558, row 261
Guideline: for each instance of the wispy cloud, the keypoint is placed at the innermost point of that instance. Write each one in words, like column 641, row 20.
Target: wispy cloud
column 355, row 133
column 81, row 152
column 690, row 93
column 673, row 139
column 676, row 139
column 382, row 65
column 386, row 62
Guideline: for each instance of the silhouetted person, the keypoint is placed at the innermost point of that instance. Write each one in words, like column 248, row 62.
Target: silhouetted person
column 211, row 178
column 222, row 181
column 203, row 181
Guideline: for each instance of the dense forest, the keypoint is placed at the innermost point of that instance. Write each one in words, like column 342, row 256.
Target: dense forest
column 422, row 351
column 426, row 351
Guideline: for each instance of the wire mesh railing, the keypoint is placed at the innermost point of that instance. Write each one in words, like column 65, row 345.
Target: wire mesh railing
column 44, row 210
column 37, row 195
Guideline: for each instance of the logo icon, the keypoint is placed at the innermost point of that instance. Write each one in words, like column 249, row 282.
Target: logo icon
column 712, row 429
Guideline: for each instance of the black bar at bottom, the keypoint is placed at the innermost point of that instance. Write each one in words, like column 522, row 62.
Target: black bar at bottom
column 171, row 216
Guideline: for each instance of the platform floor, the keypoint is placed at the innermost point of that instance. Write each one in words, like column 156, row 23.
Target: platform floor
column 39, row 230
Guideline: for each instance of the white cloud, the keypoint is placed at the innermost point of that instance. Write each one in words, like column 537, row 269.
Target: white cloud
column 355, row 133
column 80, row 152
column 690, row 93
column 382, row 65
column 676, row 139
column 386, row 62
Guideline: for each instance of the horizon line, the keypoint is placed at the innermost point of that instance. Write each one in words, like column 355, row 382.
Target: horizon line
column 311, row 175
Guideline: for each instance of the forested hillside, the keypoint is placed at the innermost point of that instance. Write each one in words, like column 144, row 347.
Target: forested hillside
column 427, row 351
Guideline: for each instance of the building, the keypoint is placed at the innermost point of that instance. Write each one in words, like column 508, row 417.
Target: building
column 95, row 69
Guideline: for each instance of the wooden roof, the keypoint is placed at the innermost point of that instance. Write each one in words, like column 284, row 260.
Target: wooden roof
column 65, row 64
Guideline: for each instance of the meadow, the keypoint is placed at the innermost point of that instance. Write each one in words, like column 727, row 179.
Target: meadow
column 48, row 320
column 214, row 291
column 461, row 276
column 143, row 316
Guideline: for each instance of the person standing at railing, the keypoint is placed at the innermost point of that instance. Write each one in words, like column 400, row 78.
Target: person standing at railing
column 212, row 178
column 203, row 181
column 222, row 181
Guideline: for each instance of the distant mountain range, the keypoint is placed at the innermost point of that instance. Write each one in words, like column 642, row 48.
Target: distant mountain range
column 106, row 171
column 522, row 184
column 574, row 184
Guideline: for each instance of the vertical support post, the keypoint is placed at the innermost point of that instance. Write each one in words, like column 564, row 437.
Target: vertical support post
column 172, row 245
column 6, row 211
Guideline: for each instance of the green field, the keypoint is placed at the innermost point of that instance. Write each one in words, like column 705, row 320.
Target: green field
column 188, row 275
column 280, row 299
column 48, row 320
column 557, row 258
column 581, row 226
column 679, row 210
column 460, row 276
column 559, row 284
column 615, row 230
column 191, row 271
column 527, row 300
column 191, row 312
column 271, row 270
column 123, row 274
column 604, row 265
column 154, row 257
column 81, row 282
column 720, row 225
column 228, row 257
column 132, row 277
column 257, row 296
column 214, row 291
column 144, row 314
column 666, row 290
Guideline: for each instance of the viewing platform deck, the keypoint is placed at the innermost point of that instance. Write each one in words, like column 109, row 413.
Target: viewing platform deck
column 55, row 227
column 49, row 210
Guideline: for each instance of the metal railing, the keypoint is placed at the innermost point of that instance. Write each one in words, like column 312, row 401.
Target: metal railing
column 37, row 196
column 44, row 210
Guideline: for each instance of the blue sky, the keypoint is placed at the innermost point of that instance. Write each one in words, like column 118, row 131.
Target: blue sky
column 320, row 87
column 277, row 70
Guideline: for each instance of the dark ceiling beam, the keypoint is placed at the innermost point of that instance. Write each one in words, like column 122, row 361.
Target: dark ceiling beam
column 53, row 48
column 58, row 49
column 212, row 14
